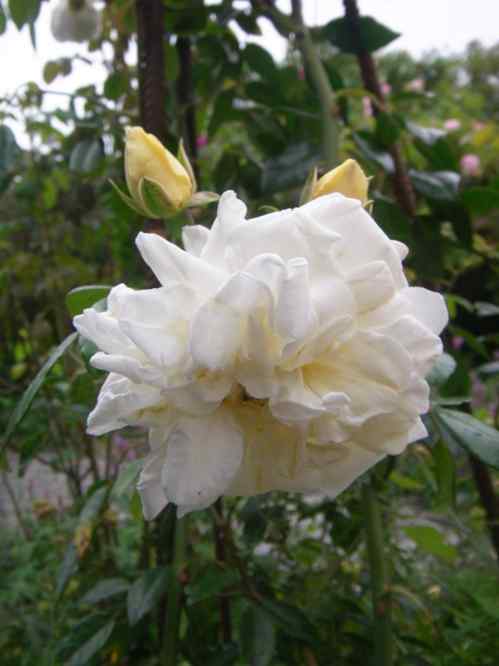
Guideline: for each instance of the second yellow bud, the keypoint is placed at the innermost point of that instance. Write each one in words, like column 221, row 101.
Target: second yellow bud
column 347, row 179
column 147, row 158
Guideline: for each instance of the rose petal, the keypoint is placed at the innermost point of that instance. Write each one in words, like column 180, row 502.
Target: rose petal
column 202, row 458
column 171, row 264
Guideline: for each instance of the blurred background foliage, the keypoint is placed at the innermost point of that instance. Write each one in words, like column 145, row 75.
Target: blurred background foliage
column 285, row 579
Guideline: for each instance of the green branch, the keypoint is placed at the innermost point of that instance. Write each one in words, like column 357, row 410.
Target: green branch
column 380, row 577
column 174, row 597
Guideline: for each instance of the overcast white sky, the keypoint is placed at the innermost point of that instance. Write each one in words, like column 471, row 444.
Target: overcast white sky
column 447, row 25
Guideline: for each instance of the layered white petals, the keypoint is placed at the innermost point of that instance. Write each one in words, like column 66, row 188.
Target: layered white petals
column 202, row 459
column 283, row 352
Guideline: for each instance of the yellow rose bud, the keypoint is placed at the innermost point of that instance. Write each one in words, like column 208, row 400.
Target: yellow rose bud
column 146, row 157
column 347, row 179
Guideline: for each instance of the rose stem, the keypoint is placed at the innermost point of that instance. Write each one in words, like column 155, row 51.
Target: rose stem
column 171, row 628
column 380, row 576
column 152, row 80
column 286, row 26
column 152, row 95
column 320, row 80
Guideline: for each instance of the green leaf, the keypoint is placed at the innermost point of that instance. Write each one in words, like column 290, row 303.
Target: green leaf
column 104, row 590
column 29, row 394
column 382, row 158
column 441, row 371
column 437, row 185
column 290, row 619
column 55, row 68
column 22, row 11
column 186, row 20
column 428, row 135
column 223, row 111
column 210, row 583
column 3, row 20
column 154, row 198
column 488, row 368
column 392, row 220
column 445, row 472
column 115, row 85
column 127, row 200
column 145, row 593
column 260, row 61
column 248, row 23
column 125, row 483
column 254, row 519
column 373, row 35
column 87, row 348
column 80, row 298
column 9, row 150
column 469, row 433
column 172, row 62
column 93, row 506
column 484, row 309
column 290, row 169
column 433, row 144
column 257, row 637
column 432, row 541
column 68, row 568
column 405, row 482
column 481, row 200
column 86, row 156
column 92, row 646
column 387, row 129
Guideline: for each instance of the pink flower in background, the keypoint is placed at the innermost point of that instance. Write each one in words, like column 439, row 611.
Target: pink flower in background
column 452, row 124
column 367, row 107
column 457, row 342
column 470, row 164
column 416, row 85
column 386, row 88
column 301, row 73
column 202, row 141
column 477, row 125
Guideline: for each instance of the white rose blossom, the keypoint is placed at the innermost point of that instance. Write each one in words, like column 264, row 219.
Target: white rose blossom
column 75, row 21
column 284, row 352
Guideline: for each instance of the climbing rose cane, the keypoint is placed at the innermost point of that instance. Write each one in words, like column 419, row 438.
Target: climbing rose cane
column 285, row 352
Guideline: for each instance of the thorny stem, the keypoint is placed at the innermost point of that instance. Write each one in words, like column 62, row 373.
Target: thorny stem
column 401, row 182
column 152, row 82
column 380, row 577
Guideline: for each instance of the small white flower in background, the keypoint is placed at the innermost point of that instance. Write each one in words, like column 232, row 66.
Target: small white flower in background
column 75, row 21
column 283, row 352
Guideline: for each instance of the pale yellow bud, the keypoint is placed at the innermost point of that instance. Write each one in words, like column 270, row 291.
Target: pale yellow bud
column 347, row 179
column 146, row 157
